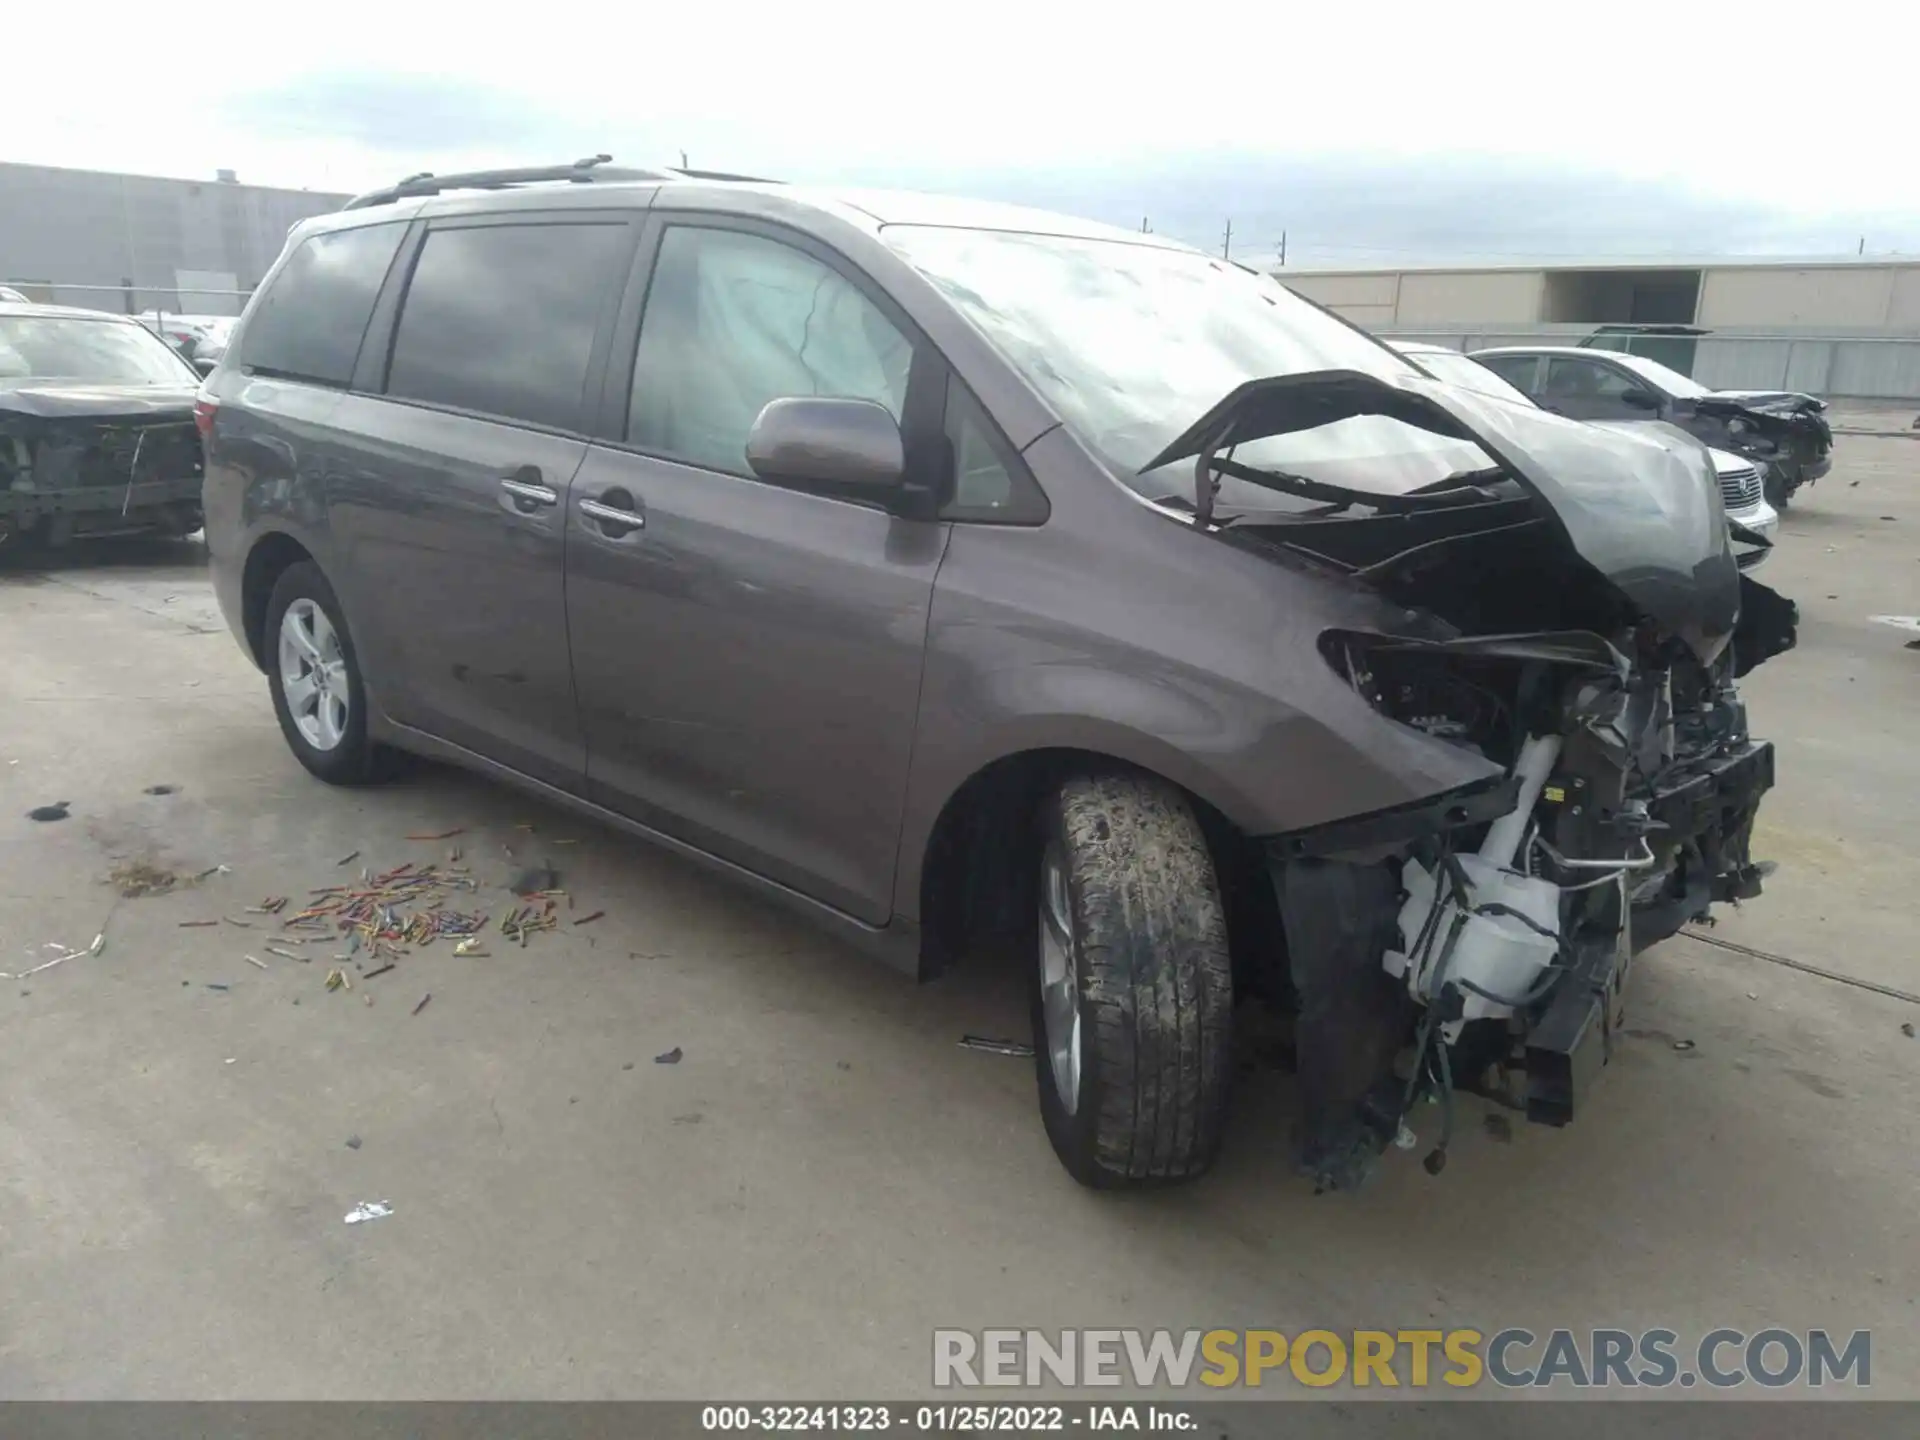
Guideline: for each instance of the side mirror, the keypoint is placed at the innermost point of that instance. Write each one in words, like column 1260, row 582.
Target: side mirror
column 1639, row 399
column 811, row 440
column 205, row 367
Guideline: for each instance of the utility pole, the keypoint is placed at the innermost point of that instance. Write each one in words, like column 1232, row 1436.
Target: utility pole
column 1283, row 247
column 1863, row 246
column 683, row 160
column 1145, row 229
column 1226, row 246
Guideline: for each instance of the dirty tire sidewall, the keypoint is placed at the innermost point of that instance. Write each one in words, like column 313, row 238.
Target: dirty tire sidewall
column 354, row 761
column 1155, row 984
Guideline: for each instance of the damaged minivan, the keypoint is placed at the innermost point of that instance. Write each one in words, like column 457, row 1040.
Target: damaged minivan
column 978, row 581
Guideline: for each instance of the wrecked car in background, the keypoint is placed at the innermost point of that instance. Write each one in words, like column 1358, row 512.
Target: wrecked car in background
column 1787, row 433
column 1753, row 523
column 1010, row 583
column 96, row 428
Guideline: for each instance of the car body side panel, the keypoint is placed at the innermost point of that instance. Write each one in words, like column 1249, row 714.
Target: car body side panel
column 1118, row 629
column 267, row 464
column 748, row 668
column 462, row 583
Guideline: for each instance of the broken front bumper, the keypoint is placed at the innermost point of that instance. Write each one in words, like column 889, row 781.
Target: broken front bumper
column 1339, row 902
column 25, row 506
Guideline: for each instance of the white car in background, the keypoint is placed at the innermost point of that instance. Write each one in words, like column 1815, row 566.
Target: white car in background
column 1742, row 488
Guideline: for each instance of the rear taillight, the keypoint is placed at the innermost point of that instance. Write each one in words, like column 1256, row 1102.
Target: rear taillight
column 203, row 413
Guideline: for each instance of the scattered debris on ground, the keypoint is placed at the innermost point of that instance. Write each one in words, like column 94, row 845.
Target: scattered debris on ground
column 353, row 1142
column 996, row 1047
column 163, row 789
column 671, row 1057
column 369, row 1210
column 99, row 944
column 423, row 1002
column 55, row 811
column 1683, row 1044
column 1906, row 1029
column 136, row 879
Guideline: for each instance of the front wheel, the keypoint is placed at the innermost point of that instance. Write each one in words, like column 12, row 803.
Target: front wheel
column 1133, row 989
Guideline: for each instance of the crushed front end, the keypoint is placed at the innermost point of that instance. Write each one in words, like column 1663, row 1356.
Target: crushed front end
column 86, row 473
column 1573, row 614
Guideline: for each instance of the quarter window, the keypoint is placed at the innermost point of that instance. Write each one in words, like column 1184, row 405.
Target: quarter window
column 500, row 319
column 309, row 323
column 1517, row 370
column 989, row 483
column 734, row 320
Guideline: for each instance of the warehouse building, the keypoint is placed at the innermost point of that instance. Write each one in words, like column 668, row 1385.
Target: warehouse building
column 136, row 242
column 1829, row 327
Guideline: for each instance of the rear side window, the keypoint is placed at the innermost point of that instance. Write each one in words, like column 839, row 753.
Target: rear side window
column 1516, row 370
column 309, row 323
column 500, row 319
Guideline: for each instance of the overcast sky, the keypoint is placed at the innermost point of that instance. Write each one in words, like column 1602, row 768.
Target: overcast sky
column 1367, row 132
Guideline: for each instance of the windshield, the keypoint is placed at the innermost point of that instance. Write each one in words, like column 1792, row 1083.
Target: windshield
column 95, row 352
column 1681, row 387
column 1131, row 344
column 1463, row 370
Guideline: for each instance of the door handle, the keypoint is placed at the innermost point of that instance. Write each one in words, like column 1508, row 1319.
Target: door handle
column 525, row 487
column 615, row 522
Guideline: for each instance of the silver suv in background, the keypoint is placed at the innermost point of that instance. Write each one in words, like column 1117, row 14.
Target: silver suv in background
column 981, row 581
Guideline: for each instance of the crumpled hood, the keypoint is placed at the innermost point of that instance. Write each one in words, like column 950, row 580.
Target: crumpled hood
column 1644, row 510
column 1768, row 402
column 52, row 400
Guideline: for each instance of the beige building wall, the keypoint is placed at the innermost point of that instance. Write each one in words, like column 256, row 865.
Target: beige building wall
column 1364, row 299
column 1844, row 298
column 1483, row 297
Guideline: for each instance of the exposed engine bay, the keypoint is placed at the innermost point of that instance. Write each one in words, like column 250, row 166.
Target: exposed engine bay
column 68, row 476
column 1571, row 613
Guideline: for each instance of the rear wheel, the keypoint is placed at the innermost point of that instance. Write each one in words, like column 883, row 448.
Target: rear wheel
column 314, row 675
column 1133, row 990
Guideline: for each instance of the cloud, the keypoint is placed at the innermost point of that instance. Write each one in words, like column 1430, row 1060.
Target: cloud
column 394, row 112
column 1367, row 206
column 1385, row 209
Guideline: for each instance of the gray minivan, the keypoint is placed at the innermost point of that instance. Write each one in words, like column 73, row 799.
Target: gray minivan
column 973, row 580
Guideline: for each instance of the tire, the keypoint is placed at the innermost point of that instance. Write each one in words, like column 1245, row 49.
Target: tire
column 1122, row 860
column 350, row 758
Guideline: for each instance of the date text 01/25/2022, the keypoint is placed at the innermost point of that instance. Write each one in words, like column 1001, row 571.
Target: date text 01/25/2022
column 950, row 1419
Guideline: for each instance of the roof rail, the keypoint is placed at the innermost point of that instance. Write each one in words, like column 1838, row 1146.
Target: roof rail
column 581, row 172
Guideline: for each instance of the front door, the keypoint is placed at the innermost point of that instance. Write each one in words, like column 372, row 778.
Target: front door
column 451, row 489
column 747, row 656
column 1584, row 389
